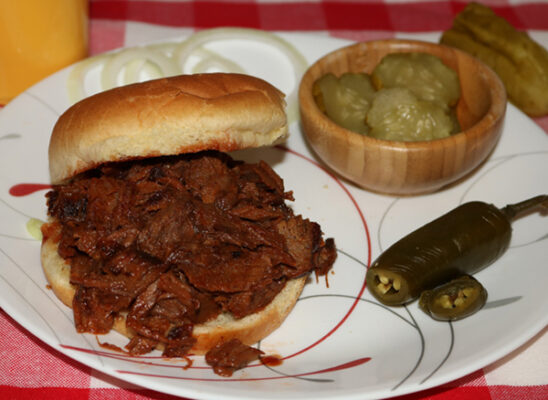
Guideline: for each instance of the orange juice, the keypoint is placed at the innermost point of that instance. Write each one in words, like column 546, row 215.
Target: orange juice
column 37, row 38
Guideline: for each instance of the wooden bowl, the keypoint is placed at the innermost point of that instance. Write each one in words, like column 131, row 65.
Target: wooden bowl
column 397, row 167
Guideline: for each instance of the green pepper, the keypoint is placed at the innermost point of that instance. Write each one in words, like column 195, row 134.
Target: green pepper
column 454, row 300
column 463, row 241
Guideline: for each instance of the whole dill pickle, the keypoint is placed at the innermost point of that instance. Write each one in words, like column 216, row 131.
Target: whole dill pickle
column 463, row 241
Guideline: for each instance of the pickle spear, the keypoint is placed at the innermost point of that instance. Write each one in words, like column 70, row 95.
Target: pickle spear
column 463, row 241
column 520, row 62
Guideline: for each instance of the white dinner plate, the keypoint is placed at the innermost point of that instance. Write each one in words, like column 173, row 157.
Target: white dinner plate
column 338, row 342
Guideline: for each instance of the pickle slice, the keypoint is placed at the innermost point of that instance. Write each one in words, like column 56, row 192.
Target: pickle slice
column 346, row 100
column 424, row 74
column 397, row 114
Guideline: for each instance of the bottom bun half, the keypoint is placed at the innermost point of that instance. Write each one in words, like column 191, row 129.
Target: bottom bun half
column 248, row 330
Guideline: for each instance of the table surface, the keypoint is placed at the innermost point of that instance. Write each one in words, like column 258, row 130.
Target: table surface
column 32, row 369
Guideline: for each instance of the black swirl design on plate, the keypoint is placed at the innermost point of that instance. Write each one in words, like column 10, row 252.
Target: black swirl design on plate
column 10, row 136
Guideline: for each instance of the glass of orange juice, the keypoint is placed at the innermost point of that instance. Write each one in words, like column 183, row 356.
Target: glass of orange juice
column 37, row 38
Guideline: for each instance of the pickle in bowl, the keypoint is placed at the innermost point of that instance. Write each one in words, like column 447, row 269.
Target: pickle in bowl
column 398, row 114
column 423, row 74
column 408, row 97
column 345, row 100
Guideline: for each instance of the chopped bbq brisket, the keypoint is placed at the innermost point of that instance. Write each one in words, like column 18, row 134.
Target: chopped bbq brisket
column 175, row 241
column 227, row 357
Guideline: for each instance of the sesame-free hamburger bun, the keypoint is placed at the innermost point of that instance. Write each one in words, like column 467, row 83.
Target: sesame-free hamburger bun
column 176, row 115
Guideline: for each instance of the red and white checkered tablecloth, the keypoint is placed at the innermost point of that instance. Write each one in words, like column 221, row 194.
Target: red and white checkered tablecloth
column 31, row 369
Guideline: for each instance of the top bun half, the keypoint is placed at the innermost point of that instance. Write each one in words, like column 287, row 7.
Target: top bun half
column 169, row 116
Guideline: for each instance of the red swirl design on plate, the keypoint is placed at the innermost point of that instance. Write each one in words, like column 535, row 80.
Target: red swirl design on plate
column 25, row 189
column 366, row 229
column 140, row 360
column 350, row 364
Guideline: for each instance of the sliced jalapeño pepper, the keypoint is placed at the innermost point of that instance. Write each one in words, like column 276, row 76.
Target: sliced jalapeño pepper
column 454, row 300
column 461, row 242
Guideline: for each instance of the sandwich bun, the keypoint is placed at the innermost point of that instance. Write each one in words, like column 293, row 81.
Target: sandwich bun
column 169, row 116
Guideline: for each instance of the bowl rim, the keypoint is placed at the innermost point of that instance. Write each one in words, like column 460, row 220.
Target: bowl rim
column 492, row 116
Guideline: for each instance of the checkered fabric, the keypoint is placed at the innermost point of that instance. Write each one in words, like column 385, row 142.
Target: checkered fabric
column 31, row 369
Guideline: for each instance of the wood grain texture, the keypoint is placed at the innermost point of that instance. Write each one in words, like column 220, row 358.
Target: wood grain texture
column 406, row 168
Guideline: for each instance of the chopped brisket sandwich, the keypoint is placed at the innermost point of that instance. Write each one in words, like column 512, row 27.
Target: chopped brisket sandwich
column 156, row 232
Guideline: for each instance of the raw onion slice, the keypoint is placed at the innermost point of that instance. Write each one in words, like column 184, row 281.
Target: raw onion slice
column 115, row 64
column 169, row 58
column 136, row 68
column 33, row 228
column 210, row 60
column 185, row 49
column 77, row 77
